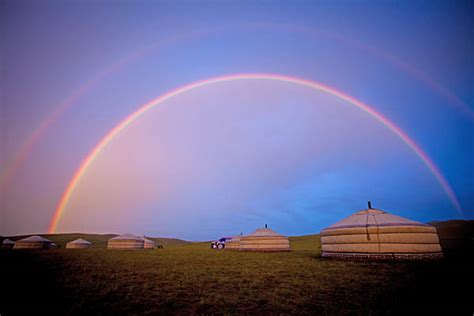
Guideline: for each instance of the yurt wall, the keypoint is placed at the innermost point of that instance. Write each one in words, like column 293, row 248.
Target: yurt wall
column 148, row 244
column 264, row 239
column 78, row 244
column 125, row 242
column 234, row 243
column 33, row 242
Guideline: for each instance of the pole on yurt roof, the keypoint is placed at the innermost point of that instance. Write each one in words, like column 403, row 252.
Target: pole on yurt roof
column 367, row 220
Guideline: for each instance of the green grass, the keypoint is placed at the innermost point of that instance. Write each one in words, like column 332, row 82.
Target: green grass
column 170, row 242
column 193, row 279
column 307, row 243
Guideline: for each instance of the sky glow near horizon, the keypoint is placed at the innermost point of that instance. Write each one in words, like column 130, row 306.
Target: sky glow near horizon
column 228, row 158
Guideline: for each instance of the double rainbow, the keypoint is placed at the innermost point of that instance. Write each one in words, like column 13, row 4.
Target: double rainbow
column 66, row 196
column 14, row 164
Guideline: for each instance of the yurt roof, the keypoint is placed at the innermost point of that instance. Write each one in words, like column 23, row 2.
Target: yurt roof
column 126, row 237
column 8, row 241
column 80, row 241
column 265, row 232
column 147, row 240
column 35, row 239
column 374, row 217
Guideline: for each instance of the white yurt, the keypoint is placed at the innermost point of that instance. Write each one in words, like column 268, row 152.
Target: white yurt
column 78, row 244
column 33, row 242
column 375, row 234
column 148, row 244
column 126, row 241
column 233, row 243
column 264, row 239
column 8, row 244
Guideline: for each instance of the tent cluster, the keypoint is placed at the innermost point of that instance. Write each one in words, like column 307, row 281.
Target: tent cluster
column 375, row 234
column 38, row 242
column 262, row 239
column 118, row 242
column 367, row 234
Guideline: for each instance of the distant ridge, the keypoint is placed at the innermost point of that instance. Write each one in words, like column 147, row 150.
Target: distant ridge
column 456, row 237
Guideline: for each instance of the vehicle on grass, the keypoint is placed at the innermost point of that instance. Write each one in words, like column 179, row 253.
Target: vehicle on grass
column 220, row 244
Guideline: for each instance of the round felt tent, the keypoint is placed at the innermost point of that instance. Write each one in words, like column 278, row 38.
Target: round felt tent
column 33, row 242
column 375, row 234
column 264, row 239
column 148, row 244
column 8, row 244
column 78, row 244
column 125, row 242
column 233, row 243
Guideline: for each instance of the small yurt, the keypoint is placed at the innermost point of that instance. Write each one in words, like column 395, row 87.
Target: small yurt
column 33, row 242
column 264, row 239
column 375, row 234
column 148, row 244
column 233, row 243
column 125, row 242
column 78, row 244
column 8, row 244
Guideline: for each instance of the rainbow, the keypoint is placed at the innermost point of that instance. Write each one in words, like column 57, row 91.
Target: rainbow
column 15, row 162
column 63, row 202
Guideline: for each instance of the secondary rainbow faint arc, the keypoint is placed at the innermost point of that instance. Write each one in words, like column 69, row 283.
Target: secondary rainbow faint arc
column 14, row 163
column 251, row 76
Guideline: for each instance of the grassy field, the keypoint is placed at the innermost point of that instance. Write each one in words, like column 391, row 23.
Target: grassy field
column 193, row 279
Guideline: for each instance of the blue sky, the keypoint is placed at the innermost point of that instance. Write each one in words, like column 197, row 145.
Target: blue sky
column 246, row 154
